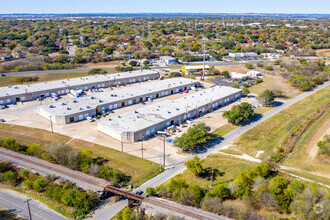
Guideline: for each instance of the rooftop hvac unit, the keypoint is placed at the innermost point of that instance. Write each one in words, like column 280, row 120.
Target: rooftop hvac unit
column 92, row 97
column 16, row 87
column 51, row 106
column 63, row 103
column 81, row 108
column 68, row 108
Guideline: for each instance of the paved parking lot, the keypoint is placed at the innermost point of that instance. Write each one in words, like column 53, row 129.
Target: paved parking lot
column 25, row 114
column 225, row 82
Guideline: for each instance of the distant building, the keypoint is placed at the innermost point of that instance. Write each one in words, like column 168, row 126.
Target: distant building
column 167, row 60
column 5, row 56
column 239, row 76
column 197, row 68
column 254, row 73
column 243, row 55
column 272, row 55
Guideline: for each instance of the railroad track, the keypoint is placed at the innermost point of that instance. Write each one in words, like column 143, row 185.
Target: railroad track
column 109, row 188
column 58, row 170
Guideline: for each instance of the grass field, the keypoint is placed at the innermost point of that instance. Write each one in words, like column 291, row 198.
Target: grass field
column 311, row 177
column 305, row 152
column 224, row 130
column 225, row 170
column 139, row 169
column 45, row 77
column 270, row 133
column 323, row 52
column 275, row 82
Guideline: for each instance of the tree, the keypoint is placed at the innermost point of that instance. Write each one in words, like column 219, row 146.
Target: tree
column 195, row 136
column 108, row 51
column 195, row 166
column 266, row 97
column 305, row 86
column 225, row 74
column 132, row 63
column 249, row 66
column 236, row 86
column 239, row 113
column 246, row 91
column 97, row 71
column 278, row 187
column 146, row 62
column 174, row 74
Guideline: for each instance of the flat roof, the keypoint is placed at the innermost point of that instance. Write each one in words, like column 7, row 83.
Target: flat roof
column 86, row 103
column 58, row 84
column 167, row 58
column 149, row 116
column 197, row 67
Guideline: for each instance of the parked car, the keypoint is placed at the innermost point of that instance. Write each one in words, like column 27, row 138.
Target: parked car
column 3, row 75
column 139, row 192
column 90, row 119
column 2, row 120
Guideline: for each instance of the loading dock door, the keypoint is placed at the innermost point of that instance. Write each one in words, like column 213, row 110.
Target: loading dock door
column 22, row 99
column 1, row 102
column 110, row 107
column 81, row 117
column 130, row 102
column 115, row 106
column 86, row 115
column 8, row 101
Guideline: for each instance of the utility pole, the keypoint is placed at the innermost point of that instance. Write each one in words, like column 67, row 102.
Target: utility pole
column 28, row 205
column 164, row 150
column 51, row 123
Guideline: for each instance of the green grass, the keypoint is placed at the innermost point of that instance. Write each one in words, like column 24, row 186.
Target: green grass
column 139, row 169
column 223, row 130
column 225, row 170
column 44, row 77
column 300, row 155
column 5, row 214
column 231, row 151
column 261, row 110
column 272, row 132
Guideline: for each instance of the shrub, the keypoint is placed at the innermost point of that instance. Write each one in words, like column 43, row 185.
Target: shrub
column 269, row 68
column 266, row 97
column 174, row 74
column 97, row 71
column 38, row 185
column 324, row 145
column 151, row 191
column 26, row 184
column 249, row 66
column 10, row 177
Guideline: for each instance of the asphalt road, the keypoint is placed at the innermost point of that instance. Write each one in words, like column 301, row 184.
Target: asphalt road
column 212, row 148
column 15, row 203
column 111, row 69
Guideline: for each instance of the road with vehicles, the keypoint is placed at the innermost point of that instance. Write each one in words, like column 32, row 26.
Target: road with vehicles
column 155, row 68
column 108, row 212
column 16, row 203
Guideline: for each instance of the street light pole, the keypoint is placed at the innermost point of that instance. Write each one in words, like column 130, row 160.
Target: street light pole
column 142, row 147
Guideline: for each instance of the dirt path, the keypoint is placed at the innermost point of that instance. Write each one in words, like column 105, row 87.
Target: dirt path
column 324, row 130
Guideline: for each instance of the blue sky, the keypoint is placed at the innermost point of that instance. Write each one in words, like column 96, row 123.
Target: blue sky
column 135, row 6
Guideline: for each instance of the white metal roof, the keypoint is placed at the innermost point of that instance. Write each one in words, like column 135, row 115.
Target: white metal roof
column 149, row 116
column 196, row 67
column 86, row 103
column 47, row 86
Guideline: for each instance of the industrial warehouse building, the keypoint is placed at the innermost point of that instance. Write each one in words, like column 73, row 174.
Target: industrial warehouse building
column 89, row 106
column 21, row 93
column 135, row 125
